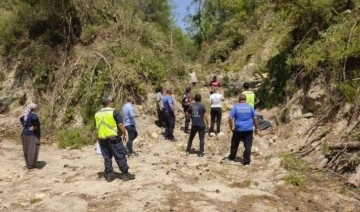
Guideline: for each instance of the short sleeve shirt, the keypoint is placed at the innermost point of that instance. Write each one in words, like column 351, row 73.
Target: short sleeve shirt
column 243, row 115
column 216, row 99
column 214, row 84
column 159, row 99
column 197, row 111
column 167, row 100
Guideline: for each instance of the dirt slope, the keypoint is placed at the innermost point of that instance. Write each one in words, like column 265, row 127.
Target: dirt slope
column 166, row 179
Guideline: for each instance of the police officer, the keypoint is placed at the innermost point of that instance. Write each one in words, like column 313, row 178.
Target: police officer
column 108, row 122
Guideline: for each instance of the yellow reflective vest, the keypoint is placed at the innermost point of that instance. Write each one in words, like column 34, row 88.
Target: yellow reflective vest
column 105, row 123
column 250, row 97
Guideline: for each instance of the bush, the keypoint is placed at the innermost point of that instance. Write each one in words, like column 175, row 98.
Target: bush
column 295, row 180
column 75, row 138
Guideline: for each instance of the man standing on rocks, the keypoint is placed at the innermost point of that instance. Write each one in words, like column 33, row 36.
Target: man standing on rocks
column 200, row 121
column 129, row 122
column 216, row 99
column 242, row 120
column 110, row 132
column 186, row 102
column 169, row 116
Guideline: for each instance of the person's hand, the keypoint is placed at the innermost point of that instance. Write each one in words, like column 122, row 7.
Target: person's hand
column 31, row 128
column 232, row 129
column 124, row 138
column 161, row 109
column 256, row 131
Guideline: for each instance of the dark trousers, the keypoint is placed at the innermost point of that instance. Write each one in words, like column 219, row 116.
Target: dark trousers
column 169, row 125
column 194, row 130
column 247, row 138
column 113, row 147
column 215, row 114
column 160, row 117
column 31, row 146
column 132, row 134
column 187, row 119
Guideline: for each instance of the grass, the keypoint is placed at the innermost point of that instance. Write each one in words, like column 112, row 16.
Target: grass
column 35, row 200
column 296, row 180
column 74, row 138
column 294, row 163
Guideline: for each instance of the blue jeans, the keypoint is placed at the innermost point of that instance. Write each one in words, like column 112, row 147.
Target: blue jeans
column 132, row 134
column 113, row 147
column 247, row 138
column 169, row 125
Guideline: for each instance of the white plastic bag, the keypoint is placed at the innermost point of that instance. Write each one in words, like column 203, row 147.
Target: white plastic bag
column 98, row 149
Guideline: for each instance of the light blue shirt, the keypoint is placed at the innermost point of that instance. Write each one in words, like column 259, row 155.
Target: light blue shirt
column 243, row 114
column 128, row 114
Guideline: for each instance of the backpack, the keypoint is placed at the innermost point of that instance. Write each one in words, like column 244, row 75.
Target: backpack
column 184, row 101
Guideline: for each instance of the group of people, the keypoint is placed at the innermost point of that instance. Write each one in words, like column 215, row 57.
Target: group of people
column 114, row 129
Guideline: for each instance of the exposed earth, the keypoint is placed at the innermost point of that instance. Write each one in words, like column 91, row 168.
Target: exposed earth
column 167, row 179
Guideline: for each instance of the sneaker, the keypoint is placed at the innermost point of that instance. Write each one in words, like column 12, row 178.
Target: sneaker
column 247, row 165
column 187, row 131
column 220, row 133
column 187, row 152
column 127, row 176
column 201, row 155
column 212, row 134
column 229, row 160
column 109, row 177
column 132, row 154
column 173, row 140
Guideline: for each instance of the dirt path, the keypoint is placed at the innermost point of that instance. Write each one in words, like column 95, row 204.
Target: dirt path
column 166, row 179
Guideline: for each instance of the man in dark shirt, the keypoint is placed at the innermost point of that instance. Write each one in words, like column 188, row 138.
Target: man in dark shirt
column 186, row 102
column 200, row 121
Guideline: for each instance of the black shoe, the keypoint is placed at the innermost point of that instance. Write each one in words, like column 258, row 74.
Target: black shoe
column 109, row 177
column 132, row 154
column 187, row 152
column 201, row 154
column 187, row 131
column 173, row 140
column 127, row 176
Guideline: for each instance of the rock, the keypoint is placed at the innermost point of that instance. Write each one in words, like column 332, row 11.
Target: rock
column 5, row 102
column 154, row 135
column 322, row 163
column 315, row 96
column 308, row 115
column 354, row 179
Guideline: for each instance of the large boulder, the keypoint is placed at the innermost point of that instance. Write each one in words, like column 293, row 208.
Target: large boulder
column 316, row 95
column 5, row 102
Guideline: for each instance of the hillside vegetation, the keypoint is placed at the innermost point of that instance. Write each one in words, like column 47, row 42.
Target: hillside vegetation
column 69, row 53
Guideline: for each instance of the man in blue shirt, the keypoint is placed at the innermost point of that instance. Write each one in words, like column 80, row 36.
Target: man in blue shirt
column 242, row 120
column 169, row 116
column 129, row 123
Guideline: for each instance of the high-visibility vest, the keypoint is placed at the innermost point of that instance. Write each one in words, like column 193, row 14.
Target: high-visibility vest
column 250, row 97
column 105, row 123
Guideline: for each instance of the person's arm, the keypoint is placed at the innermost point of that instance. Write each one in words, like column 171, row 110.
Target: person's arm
column 206, row 119
column 158, row 102
column 231, row 124
column 188, row 112
column 123, row 132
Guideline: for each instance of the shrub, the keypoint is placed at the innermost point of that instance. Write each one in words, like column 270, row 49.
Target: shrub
column 75, row 138
column 295, row 180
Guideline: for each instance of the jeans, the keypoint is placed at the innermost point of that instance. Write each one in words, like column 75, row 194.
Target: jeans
column 132, row 134
column 160, row 116
column 194, row 130
column 169, row 125
column 215, row 114
column 187, row 119
column 113, row 147
column 247, row 138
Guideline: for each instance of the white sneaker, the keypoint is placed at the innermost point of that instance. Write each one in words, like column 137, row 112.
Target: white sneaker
column 220, row 133
column 247, row 165
column 212, row 134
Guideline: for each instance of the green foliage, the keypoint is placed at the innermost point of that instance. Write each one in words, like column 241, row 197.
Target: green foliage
column 74, row 138
column 296, row 180
column 349, row 91
column 294, row 163
column 88, row 34
column 35, row 200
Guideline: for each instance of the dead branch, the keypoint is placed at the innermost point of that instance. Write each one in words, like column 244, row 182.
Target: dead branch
column 345, row 146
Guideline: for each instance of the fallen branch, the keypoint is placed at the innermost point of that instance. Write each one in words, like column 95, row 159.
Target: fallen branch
column 346, row 146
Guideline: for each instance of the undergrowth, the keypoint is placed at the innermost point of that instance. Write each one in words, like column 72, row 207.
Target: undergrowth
column 75, row 138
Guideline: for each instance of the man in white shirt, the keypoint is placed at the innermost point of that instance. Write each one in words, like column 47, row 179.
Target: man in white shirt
column 193, row 79
column 216, row 99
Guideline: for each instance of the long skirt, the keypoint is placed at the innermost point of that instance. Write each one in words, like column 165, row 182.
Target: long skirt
column 31, row 146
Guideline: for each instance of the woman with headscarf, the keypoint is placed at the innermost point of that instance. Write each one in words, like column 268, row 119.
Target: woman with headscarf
column 30, row 135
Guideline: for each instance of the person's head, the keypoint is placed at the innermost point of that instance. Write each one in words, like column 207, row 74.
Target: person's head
column 33, row 107
column 188, row 90
column 246, row 85
column 191, row 70
column 106, row 101
column 197, row 97
column 168, row 92
column 131, row 99
column 159, row 89
column 242, row 98
column 214, row 78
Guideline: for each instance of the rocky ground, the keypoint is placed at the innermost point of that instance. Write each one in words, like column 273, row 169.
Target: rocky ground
column 167, row 179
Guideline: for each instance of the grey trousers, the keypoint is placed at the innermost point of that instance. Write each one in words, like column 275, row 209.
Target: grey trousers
column 31, row 146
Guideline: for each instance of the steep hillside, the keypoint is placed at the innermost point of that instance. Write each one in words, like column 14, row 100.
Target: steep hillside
column 66, row 54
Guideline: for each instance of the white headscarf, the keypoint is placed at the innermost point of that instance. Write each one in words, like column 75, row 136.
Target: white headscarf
column 28, row 109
